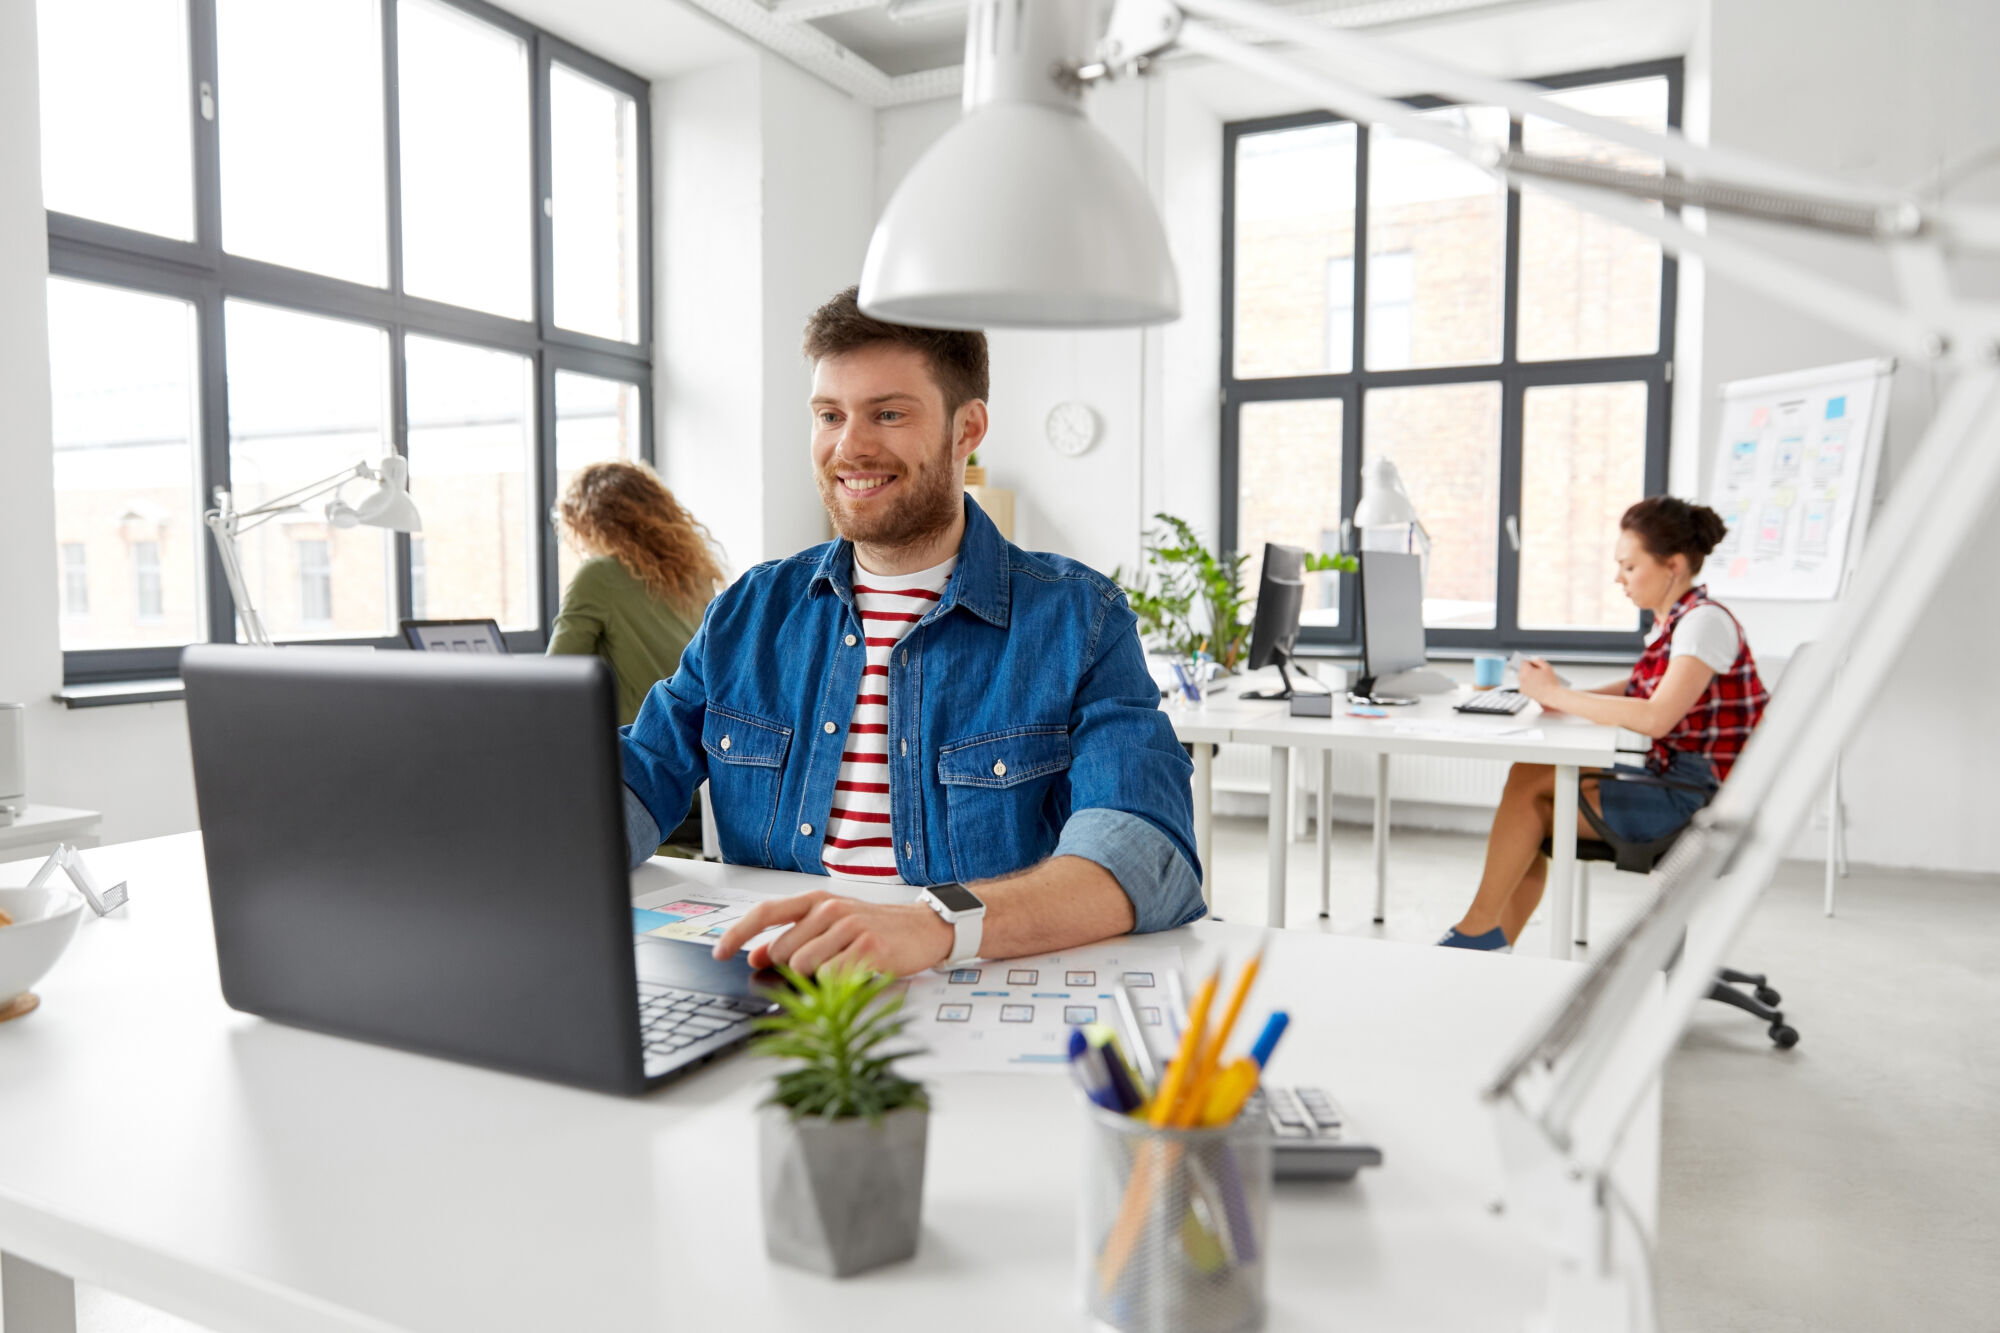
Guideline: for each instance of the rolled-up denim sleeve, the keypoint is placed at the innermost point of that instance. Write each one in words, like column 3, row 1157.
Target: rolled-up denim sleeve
column 642, row 831
column 1144, row 861
column 1131, row 783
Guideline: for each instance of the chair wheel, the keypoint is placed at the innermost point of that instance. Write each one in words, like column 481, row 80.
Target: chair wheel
column 1785, row 1037
column 1765, row 995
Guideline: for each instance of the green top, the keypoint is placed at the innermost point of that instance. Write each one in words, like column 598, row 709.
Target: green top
column 609, row 612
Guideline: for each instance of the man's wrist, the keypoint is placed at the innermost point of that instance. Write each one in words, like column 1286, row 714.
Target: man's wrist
column 940, row 935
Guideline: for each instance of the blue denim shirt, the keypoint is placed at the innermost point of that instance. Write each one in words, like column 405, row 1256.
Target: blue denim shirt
column 1022, row 724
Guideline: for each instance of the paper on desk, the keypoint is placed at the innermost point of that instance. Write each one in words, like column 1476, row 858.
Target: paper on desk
column 683, row 912
column 1016, row 1015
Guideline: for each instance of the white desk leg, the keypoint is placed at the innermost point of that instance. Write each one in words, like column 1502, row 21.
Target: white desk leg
column 1204, row 817
column 1325, row 838
column 1280, row 831
column 34, row 1299
column 1562, row 872
column 1381, row 837
column 1833, row 849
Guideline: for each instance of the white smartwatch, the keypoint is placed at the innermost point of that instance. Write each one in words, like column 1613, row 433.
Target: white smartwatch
column 964, row 912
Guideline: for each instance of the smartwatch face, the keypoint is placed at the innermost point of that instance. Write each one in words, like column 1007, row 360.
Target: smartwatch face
column 956, row 897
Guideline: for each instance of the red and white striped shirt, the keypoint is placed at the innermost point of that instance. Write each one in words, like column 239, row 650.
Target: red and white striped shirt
column 860, row 844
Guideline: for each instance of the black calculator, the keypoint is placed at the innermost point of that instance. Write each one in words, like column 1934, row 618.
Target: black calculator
column 1310, row 1135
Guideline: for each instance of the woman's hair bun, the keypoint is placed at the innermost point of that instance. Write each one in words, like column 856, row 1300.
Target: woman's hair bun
column 1668, row 526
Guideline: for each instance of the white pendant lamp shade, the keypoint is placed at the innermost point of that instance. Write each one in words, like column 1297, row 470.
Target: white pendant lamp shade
column 1384, row 502
column 1021, row 216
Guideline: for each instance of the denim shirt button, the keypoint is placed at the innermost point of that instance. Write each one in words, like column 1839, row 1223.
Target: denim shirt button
column 999, row 769
column 850, row 641
column 829, row 728
column 806, row 830
column 725, row 742
column 907, row 851
column 904, row 746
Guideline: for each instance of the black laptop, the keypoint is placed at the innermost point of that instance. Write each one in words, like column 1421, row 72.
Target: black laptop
column 427, row 851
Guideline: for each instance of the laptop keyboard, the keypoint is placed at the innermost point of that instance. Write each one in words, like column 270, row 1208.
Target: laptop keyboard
column 1499, row 701
column 671, row 1020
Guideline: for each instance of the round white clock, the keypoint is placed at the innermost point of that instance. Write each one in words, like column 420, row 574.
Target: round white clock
column 1071, row 428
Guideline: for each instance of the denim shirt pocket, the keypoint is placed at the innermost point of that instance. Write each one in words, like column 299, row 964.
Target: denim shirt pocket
column 746, row 765
column 997, row 794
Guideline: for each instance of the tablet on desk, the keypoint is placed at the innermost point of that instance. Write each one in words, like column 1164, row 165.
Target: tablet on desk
column 454, row 636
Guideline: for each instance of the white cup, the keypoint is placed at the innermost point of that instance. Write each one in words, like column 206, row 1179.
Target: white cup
column 44, row 921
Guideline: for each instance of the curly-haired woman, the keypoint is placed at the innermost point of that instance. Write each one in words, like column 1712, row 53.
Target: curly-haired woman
column 650, row 572
column 1694, row 690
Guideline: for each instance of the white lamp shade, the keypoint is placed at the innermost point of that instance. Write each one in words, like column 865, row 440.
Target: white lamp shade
column 389, row 504
column 1021, row 216
column 1383, row 502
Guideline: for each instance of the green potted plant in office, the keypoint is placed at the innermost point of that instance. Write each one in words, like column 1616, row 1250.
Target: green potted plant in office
column 1187, row 598
column 841, row 1138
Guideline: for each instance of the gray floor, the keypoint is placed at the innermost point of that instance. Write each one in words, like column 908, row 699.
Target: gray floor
column 1850, row 1184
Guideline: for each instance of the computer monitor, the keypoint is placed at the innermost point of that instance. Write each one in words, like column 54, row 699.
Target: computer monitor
column 454, row 636
column 1392, row 618
column 1281, row 592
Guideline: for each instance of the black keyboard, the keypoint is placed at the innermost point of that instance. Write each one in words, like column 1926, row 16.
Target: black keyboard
column 671, row 1020
column 1493, row 701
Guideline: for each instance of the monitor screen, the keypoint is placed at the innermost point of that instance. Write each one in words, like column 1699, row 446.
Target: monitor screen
column 1392, row 612
column 1280, row 594
column 455, row 636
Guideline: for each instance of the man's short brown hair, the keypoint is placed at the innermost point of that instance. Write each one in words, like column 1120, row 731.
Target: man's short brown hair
column 957, row 357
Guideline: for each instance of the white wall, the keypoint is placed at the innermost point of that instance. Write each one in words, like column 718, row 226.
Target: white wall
column 132, row 762
column 766, row 187
column 1886, row 95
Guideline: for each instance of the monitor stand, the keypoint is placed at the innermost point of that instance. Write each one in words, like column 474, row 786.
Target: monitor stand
column 1287, row 692
column 1363, row 692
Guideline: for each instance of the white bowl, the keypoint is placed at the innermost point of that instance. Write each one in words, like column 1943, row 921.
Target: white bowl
column 44, row 921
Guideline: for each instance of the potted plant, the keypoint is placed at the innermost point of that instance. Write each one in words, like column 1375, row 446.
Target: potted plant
column 841, row 1138
column 1188, row 599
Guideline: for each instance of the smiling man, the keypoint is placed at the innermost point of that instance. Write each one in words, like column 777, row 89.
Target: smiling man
column 920, row 702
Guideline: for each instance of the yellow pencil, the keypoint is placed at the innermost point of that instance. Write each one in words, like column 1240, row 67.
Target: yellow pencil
column 1198, row 1092
column 1139, row 1188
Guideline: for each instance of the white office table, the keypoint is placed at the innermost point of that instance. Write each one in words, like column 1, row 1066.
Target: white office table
column 257, row 1178
column 37, row 830
column 1429, row 727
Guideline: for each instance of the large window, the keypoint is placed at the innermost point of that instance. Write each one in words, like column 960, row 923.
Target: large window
column 1508, row 352
column 288, row 238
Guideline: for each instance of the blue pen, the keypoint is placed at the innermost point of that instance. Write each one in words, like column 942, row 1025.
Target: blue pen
column 1267, row 1040
column 1090, row 1075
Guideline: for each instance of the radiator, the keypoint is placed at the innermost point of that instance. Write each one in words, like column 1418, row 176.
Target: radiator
column 1246, row 769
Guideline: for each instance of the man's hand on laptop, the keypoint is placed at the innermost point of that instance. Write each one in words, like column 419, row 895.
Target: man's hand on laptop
column 898, row 938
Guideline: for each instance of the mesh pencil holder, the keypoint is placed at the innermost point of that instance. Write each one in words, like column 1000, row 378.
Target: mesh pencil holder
column 1173, row 1225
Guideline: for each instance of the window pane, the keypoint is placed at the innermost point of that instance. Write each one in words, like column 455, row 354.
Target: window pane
column 122, row 377
column 308, row 397
column 1294, row 226
column 1589, row 287
column 1288, row 490
column 116, row 113
column 595, row 132
column 462, row 89
column 1437, row 243
column 1583, row 461
column 596, row 420
column 471, row 474
column 299, row 97
column 1445, row 440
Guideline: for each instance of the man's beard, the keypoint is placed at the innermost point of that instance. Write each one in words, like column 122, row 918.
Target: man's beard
column 927, row 506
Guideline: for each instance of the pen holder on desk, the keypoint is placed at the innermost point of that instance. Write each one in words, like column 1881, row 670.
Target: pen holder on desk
column 1173, row 1225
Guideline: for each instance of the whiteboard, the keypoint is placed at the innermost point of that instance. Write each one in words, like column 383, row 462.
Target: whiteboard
column 1793, row 477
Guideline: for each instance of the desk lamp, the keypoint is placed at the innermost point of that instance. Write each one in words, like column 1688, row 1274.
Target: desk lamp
column 387, row 506
column 1563, row 1102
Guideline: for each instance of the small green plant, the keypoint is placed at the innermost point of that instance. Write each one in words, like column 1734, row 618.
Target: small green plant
column 837, row 1024
column 1188, row 599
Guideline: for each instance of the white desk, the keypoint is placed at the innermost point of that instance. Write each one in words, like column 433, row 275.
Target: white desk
column 37, row 830
column 254, row 1177
column 1430, row 727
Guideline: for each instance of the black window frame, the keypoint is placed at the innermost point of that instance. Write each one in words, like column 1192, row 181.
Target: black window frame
column 204, row 274
column 1514, row 376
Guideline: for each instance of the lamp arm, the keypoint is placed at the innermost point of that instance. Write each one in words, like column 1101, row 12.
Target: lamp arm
column 270, row 509
column 222, row 525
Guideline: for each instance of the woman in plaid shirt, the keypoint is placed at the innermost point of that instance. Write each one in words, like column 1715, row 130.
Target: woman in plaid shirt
column 1694, row 690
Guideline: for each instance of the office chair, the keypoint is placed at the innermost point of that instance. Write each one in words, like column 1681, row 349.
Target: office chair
column 1640, row 858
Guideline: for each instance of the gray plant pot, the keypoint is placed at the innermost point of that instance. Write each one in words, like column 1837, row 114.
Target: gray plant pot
column 842, row 1196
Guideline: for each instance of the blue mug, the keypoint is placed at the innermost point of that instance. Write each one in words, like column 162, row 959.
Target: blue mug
column 1488, row 670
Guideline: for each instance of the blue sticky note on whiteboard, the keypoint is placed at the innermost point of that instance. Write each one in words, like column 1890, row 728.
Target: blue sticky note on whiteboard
column 1836, row 407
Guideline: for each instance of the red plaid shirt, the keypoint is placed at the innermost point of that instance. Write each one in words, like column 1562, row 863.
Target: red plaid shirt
column 1721, row 720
